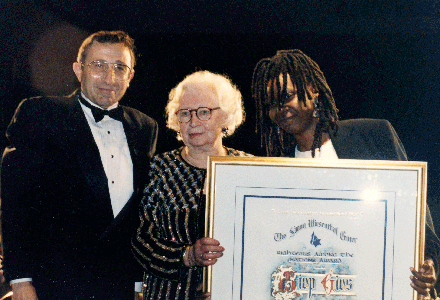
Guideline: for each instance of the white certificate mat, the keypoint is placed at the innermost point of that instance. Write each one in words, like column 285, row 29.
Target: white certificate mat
column 301, row 229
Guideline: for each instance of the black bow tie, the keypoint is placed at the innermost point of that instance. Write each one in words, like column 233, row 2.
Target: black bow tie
column 98, row 113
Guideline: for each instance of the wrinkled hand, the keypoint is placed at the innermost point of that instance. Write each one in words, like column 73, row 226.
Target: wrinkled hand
column 23, row 291
column 424, row 279
column 205, row 252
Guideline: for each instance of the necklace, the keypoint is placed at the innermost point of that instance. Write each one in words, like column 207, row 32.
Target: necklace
column 199, row 161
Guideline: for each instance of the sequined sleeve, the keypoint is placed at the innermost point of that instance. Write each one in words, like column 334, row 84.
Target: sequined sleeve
column 169, row 214
column 156, row 254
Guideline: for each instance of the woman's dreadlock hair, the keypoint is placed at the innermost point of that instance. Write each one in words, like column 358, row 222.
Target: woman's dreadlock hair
column 303, row 71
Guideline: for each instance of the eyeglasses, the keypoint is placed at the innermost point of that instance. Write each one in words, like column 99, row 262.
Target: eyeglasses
column 100, row 68
column 202, row 113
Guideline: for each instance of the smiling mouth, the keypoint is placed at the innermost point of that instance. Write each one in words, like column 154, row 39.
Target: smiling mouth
column 107, row 90
column 194, row 134
column 287, row 120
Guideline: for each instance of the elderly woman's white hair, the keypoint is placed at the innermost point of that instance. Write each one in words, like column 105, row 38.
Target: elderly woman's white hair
column 228, row 95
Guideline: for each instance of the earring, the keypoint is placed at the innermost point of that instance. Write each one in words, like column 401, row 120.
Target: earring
column 315, row 108
column 225, row 131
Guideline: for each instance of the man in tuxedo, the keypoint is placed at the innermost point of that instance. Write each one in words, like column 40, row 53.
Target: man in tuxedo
column 71, row 180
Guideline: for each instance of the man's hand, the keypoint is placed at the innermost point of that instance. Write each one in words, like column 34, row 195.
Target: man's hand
column 423, row 281
column 23, row 291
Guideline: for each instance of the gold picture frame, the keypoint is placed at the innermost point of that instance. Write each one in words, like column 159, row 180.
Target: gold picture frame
column 296, row 228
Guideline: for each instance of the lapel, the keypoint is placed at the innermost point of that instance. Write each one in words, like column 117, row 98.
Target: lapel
column 88, row 156
column 346, row 142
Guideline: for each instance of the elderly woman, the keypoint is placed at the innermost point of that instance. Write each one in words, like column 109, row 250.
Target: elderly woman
column 297, row 117
column 169, row 243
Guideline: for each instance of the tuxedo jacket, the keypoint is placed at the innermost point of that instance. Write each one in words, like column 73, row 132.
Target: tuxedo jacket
column 58, row 224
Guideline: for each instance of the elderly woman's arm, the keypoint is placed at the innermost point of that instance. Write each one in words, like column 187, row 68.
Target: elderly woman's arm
column 159, row 256
column 156, row 249
column 166, row 258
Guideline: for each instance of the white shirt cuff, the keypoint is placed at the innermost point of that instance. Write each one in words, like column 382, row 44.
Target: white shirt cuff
column 20, row 280
column 138, row 287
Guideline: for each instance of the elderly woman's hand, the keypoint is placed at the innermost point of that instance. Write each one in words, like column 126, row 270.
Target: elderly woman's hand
column 423, row 281
column 204, row 252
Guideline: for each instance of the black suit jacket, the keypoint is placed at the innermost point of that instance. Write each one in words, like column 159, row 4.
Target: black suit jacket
column 367, row 139
column 58, row 224
column 377, row 139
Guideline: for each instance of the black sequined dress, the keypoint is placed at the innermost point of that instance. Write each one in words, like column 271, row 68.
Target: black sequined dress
column 171, row 218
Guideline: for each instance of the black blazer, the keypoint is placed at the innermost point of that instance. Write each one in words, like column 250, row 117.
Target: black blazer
column 367, row 139
column 58, row 224
column 377, row 139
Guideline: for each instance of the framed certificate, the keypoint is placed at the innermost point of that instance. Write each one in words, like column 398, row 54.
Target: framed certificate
column 311, row 229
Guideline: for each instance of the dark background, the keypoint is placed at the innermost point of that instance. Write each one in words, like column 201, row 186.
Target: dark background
column 381, row 58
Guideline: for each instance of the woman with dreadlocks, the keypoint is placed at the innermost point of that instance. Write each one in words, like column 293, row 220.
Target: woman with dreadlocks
column 297, row 117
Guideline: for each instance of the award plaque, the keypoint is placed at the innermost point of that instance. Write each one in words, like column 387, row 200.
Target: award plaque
column 312, row 229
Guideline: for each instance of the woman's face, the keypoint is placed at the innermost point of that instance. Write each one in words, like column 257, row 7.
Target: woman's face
column 294, row 117
column 197, row 133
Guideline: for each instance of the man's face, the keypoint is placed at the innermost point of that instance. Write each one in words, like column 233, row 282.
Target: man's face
column 106, row 89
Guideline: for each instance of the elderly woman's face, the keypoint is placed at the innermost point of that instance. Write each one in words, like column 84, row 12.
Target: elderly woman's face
column 293, row 116
column 201, row 133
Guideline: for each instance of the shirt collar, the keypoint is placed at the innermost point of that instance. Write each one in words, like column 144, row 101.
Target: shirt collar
column 327, row 151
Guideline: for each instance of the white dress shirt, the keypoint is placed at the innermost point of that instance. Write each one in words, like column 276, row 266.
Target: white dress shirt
column 327, row 151
column 113, row 148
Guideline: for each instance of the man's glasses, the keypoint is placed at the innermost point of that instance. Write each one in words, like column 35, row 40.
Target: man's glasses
column 100, row 68
column 203, row 113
